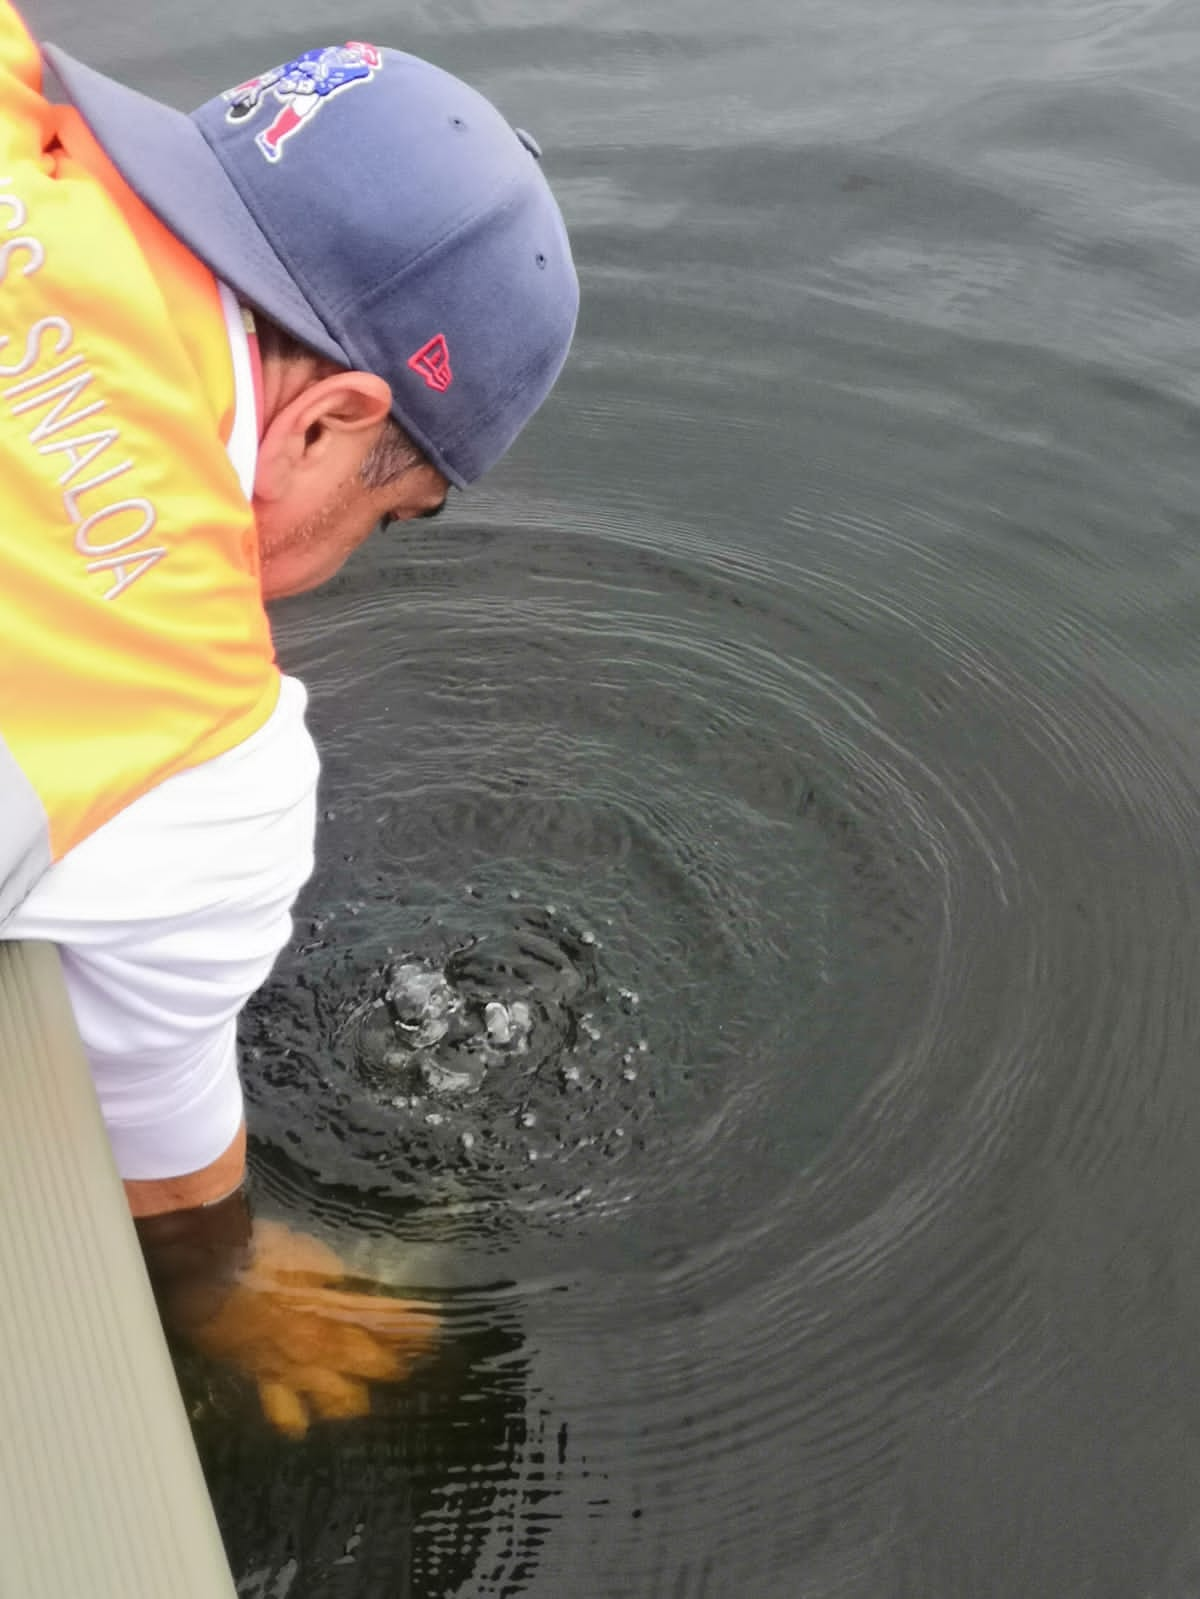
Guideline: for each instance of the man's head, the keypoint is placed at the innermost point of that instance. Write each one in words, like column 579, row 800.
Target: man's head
column 384, row 215
column 332, row 464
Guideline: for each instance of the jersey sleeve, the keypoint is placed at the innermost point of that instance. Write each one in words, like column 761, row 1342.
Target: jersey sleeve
column 168, row 918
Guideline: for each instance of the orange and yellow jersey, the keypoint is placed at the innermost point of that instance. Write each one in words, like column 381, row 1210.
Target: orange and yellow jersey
column 133, row 641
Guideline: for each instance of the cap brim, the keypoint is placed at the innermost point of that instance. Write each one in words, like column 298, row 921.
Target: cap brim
column 167, row 162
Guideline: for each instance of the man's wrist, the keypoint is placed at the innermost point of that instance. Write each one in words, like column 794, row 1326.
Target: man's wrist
column 212, row 1184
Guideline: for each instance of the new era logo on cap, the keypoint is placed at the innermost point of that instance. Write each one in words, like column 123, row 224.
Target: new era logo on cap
column 432, row 361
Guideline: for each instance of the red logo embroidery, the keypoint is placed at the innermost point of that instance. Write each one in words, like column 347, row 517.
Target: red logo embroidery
column 432, row 361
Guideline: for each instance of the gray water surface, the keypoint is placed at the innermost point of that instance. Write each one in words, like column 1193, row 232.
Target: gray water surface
column 828, row 655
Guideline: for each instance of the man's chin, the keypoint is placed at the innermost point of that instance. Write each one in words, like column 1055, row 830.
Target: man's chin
column 286, row 584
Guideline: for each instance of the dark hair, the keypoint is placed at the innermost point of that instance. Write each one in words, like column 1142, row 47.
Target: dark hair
column 393, row 452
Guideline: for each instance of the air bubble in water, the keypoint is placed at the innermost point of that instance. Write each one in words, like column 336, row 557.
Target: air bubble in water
column 498, row 1022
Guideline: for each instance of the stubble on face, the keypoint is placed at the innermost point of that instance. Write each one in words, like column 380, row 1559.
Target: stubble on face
column 308, row 552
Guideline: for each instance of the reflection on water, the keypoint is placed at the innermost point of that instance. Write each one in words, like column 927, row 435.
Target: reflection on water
column 830, row 654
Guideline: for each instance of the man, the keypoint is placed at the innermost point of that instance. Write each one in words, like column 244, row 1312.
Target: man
column 231, row 345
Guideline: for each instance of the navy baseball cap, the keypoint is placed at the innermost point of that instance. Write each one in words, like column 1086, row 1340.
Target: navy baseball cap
column 382, row 212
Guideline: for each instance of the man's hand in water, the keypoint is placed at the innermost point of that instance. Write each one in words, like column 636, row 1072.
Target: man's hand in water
column 277, row 1304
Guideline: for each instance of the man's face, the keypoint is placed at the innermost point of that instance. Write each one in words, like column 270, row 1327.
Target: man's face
column 304, row 539
column 311, row 506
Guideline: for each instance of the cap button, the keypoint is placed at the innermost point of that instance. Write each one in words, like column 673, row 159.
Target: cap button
column 530, row 143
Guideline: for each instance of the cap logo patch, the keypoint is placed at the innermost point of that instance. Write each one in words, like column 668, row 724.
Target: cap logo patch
column 432, row 361
column 301, row 87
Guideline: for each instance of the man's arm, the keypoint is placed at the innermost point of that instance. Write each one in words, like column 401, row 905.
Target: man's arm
column 168, row 918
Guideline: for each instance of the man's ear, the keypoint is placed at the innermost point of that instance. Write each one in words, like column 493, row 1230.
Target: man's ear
column 320, row 436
